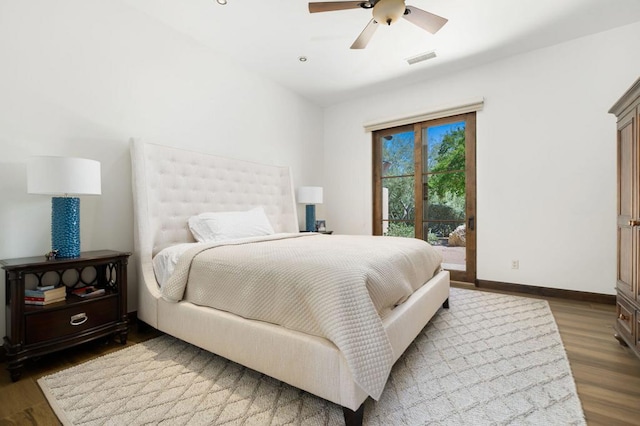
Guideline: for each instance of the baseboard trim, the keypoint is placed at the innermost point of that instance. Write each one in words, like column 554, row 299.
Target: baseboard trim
column 608, row 299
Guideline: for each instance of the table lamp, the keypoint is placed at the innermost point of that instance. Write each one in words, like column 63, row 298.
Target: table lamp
column 310, row 195
column 66, row 177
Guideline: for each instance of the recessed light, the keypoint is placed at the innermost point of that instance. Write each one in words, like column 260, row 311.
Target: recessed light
column 302, row 58
column 222, row 2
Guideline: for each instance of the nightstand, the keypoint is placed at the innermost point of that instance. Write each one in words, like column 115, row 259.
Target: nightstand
column 37, row 330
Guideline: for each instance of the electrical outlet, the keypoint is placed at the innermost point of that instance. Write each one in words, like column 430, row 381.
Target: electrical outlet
column 515, row 264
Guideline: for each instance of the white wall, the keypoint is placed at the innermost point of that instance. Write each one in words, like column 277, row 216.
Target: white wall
column 81, row 77
column 545, row 158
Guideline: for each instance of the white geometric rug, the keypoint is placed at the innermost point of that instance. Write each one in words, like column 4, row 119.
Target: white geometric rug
column 490, row 359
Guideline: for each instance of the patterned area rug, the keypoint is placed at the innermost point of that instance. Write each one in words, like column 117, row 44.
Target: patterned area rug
column 490, row 359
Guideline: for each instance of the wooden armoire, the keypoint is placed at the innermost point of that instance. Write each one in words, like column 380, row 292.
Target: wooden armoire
column 627, row 110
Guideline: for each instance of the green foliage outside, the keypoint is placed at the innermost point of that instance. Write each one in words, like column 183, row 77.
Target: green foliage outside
column 446, row 191
column 401, row 229
column 398, row 161
column 449, row 155
column 404, row 229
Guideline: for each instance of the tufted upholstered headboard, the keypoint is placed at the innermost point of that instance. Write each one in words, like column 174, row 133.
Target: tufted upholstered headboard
column 172, row 184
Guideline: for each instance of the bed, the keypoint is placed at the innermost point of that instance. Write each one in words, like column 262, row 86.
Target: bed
column 172, row 185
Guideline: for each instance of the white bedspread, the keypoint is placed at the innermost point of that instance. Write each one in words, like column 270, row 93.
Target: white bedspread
column 330, row 286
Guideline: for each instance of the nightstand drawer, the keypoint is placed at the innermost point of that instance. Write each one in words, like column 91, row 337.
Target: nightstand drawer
column 70, row 320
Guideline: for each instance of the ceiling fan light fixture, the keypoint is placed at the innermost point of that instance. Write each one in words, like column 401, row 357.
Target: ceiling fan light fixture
column 388, row 11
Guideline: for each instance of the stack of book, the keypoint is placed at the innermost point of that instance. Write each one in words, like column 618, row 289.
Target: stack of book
column 88, row 291
column 45, row 295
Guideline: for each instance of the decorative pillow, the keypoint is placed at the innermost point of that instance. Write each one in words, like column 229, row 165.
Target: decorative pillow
column 222, row 226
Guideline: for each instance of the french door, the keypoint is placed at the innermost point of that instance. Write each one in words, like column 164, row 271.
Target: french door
column 424, row 187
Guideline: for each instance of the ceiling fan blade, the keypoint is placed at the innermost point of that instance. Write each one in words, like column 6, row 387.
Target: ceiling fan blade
column 366, row 34
column 334, row 5
column 425, row 20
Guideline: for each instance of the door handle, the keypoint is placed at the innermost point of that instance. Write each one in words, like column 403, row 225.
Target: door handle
column 634, row 222
column 471, row 223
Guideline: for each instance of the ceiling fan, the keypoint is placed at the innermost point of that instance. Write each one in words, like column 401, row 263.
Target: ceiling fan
column 384, row 11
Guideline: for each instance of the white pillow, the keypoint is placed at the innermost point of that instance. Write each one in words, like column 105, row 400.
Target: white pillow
column 222, row 226
column 165, row 262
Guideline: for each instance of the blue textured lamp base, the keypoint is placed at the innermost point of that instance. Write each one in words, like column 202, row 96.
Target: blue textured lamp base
column 311, row 218
column 65, row 226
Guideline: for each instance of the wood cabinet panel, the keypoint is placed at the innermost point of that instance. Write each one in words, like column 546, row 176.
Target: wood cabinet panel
column 625, row 261
column 637, row 331
column 627, row 111
column 625, row 182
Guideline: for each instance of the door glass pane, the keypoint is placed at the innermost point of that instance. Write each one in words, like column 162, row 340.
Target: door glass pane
column 398, row 198
column 444, row 192
column 449, row 239
column 398, row 184
column 444, row 147
column 397, row 154
column 443, row 196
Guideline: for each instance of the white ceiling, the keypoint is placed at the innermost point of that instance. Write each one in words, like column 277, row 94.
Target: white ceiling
column 268, row 36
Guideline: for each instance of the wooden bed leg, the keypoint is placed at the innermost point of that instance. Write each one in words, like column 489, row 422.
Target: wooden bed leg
column 353, row 418
column 445, row 305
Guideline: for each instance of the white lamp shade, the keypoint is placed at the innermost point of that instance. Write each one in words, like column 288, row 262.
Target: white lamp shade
column 309, row 195
column 63, row 176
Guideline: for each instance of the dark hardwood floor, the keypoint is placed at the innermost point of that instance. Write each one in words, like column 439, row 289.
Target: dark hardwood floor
column 607, row 374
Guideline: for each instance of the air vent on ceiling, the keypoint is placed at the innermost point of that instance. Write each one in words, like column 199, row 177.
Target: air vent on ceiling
column 421, row 57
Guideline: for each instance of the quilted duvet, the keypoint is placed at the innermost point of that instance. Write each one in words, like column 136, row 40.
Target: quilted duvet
column 336, row 287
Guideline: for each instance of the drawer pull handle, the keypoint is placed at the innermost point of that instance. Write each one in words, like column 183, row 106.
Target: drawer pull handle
column 622, row 317
column 79, row 319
